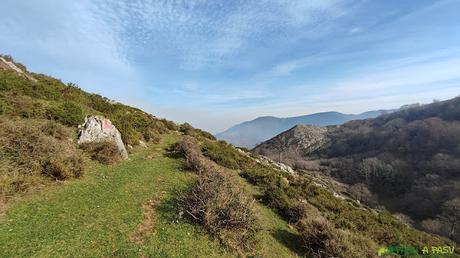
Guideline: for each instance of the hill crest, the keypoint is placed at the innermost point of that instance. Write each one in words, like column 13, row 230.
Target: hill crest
column 250, row 133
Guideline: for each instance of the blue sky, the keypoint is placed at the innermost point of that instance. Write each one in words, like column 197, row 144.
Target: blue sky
column 217, row 63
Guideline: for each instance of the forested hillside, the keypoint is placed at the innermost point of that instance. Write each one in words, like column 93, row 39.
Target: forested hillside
column 409, row 159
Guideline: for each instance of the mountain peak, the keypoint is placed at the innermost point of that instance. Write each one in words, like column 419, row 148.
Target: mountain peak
column 248, row 134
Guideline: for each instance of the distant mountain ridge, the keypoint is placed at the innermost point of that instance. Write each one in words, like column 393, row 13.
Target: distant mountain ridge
column 250, row 133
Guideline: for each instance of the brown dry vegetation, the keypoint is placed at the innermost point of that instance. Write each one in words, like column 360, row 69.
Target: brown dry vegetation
column 217, row 202
column 35, row 152
column 220, row 205
column 322, row 239
column 105, row 152
column 189, row 148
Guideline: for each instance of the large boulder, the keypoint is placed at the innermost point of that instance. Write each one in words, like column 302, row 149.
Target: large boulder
column 99, row 129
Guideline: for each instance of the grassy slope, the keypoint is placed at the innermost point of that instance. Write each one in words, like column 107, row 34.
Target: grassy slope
column 95, row 215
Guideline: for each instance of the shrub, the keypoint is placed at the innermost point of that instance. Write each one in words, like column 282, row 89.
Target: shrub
column 223, row 154
column 186, row 128
column 205, row 135
column 216, row 202
column 189, row 148
column 434, row 226
column 105, row 152
column 22, row 106
column 321, row 239
column 62, row 169
column 169, row 125
column 128, row 133
column 55, row 130
column 261, row 175
column 68, row 113
column 276, row 199
column 29, row 151
column 361, row 192
column 151, row 136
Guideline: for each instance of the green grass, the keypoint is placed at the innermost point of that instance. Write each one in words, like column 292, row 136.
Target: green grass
column 94, row 216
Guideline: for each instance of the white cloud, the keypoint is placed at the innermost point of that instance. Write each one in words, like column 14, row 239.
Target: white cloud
column 355, row 30
column 287, row 68
column 203, row 32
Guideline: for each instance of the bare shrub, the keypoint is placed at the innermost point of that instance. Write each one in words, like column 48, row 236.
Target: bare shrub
column 434, row 226
column 55, row 130
column 105, row 152
column 450, row 215
column 404, row 219
column 361, row 192
column 216, row 202
column 189, row 148
column 62, row 169
column 322, row 239
column 298, row 210
column 310, row 165
column 33, row 148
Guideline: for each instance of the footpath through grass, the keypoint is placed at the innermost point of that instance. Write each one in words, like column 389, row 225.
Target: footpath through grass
column 125, row 210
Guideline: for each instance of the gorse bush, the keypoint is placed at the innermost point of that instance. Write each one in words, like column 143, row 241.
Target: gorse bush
column 223, row 154
column 105, row 152
column 68, row 113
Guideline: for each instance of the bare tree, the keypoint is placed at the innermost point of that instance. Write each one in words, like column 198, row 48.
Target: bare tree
column 451, row 215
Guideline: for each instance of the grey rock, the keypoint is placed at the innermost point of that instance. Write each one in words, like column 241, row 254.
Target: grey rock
column 142, row 144
column 99, row 129
column 277, row 165
column 294, row 144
